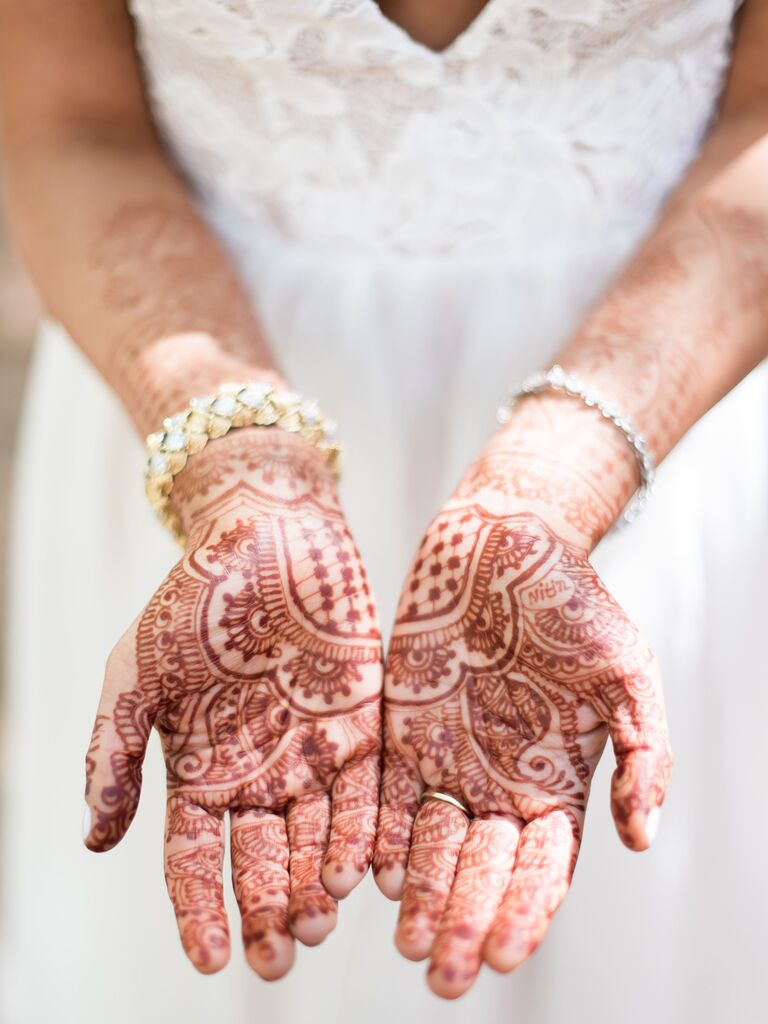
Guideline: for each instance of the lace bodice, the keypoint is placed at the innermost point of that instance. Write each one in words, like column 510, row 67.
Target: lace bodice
column 544, row 123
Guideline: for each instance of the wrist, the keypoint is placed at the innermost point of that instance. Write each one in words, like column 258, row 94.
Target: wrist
column 562, row 460
column 267, row 462
column 164, row 376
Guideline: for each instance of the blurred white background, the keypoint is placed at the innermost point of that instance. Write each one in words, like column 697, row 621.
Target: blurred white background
column 18, row 317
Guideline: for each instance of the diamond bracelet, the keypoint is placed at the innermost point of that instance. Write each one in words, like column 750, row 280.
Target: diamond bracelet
column 556, row 379
column 232, row 405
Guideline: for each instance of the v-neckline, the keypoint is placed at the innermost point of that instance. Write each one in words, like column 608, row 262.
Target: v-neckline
column 454, row 45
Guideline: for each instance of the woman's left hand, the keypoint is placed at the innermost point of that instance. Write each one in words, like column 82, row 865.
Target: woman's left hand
column 509, row 665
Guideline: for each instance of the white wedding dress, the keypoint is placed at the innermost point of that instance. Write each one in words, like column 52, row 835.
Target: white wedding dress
column 417, row 231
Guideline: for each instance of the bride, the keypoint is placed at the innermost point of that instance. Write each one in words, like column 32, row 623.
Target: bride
column 235, row 207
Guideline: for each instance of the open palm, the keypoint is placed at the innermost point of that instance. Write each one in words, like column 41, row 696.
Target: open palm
column 258, row 661
column 508, row 666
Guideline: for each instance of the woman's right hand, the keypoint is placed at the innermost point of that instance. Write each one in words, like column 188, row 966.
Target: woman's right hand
column 258, row 660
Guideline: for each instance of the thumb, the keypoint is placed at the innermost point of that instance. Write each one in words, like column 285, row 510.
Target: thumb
column 118, row 743
column 638, row 727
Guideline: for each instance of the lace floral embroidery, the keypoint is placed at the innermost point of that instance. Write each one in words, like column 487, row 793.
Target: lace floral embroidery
column 542, row 122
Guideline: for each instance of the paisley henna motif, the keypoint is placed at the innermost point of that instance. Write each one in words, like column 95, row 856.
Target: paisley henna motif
column 509, row 665
column 258, row 661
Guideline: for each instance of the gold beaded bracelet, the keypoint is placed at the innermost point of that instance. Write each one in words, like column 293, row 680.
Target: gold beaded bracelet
column 256, row 404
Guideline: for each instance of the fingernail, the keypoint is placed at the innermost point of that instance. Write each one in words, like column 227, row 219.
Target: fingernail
column 652, row 824
column 87, row 818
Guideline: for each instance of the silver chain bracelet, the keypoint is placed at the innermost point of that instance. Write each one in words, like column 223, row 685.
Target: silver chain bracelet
column 556, row 379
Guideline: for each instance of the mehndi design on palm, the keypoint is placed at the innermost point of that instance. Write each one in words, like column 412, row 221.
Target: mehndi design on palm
column 509, row 665
column 258, row 661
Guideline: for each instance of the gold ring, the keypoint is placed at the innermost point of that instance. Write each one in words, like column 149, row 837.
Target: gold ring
column 433, row 794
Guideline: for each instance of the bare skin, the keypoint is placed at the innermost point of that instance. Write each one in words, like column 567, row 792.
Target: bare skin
column 124, row 261
column 434, row 23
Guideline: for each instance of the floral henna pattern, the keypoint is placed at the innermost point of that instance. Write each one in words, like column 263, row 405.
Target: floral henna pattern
column 483, row 870
column 111, row 815
column 311, row 910
column 533, row 656
column 258, row 661
column 541, row 483
column 261, row 879
column 438, row 835
column 510, row 664
column 193, row 877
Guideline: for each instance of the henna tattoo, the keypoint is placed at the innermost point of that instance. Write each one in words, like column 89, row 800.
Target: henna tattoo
column 353, row 829
column 509, row 665
column 560, row 459
column 188, row 820
column 680, row 327
column 90, row 758
column 438, row 835
column 544, row 865
column 311, row 910
column 258, row 660
column 400, row 788
column 684, row 322
column 278, row 463
column 260, row 878
column 127, row 727
column 185, row 335
column 483, row 871
column 193, row 878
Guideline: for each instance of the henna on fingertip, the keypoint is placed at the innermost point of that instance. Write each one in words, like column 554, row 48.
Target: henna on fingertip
column 509, row 666
column 258, row 660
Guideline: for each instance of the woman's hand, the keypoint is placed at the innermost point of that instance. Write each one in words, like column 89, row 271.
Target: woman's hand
column 509, row 665
column 258, row 661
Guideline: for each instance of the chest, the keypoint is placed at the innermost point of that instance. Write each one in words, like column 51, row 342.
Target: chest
column 436, row 24
column 330, row 121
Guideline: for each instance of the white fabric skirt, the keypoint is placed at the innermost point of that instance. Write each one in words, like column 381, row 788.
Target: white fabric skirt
column 412, row 358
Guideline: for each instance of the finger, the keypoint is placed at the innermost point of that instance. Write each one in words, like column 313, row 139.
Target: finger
column 401, row 786
column 355, row 806
column 118, row 744
column 634, row 711
column 194, row 850
column 438, row 834
column 260, row 880
column 546, row 857
column 311, row 909
column 482, row 875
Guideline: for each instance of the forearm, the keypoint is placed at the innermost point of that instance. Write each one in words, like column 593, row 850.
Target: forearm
column 685, row 321
column 689, row 316
column 124, row 261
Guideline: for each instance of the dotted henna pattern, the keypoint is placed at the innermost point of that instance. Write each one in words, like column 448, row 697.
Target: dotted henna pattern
column 509, row 665
column 258, row 661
